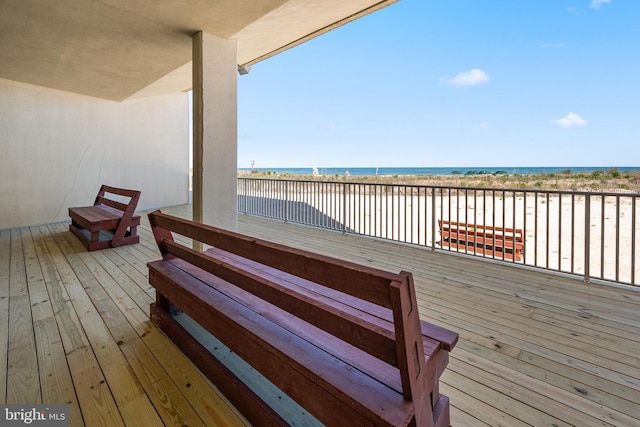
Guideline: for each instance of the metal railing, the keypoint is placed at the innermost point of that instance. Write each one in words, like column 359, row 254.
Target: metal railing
column 591, row 234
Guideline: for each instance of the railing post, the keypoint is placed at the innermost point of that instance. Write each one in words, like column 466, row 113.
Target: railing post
column 633, row 239
column 587, row 237
column 286, row 201
column 244, row 197
column 344, row 207
column 239, row 184
column 245, row 200
column 433, row 219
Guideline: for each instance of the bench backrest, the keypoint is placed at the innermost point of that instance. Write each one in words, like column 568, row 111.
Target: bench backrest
column 401, row 347
column 506, row 233
column 127, row 208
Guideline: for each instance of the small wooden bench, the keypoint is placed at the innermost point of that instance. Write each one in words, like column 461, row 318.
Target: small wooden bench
column 342, row 340
column 498, row 242
column 108, row 223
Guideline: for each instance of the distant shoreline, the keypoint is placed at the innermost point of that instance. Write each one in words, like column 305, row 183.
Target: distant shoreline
column 425, row 171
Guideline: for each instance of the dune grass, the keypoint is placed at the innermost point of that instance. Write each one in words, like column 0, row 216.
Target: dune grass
column 600, row 180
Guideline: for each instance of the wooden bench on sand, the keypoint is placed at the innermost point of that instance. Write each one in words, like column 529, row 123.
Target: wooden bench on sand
column 108, row 223
column 342, row 341
column 501, row 242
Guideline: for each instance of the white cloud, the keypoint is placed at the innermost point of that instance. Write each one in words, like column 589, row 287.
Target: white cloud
column 552, row 45
column 571, row 120
column 595, row 4
column 469, row 78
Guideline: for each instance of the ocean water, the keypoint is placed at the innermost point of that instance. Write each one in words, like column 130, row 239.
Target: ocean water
column 438, row 171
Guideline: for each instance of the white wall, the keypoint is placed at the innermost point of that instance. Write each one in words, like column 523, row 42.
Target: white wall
column 57, row 148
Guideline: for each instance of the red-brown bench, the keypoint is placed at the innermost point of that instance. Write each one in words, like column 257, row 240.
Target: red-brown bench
column 109, row 222
column 342, row 340
column 498, row 242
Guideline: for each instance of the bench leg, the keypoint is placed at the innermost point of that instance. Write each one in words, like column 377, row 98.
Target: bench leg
column 441, row 415
column 129, row 237
column 165, row 305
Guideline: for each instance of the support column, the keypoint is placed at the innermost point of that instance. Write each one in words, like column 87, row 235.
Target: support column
column 215, row 131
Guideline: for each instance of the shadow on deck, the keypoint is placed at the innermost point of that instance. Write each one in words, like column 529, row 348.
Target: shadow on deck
column 294, row 211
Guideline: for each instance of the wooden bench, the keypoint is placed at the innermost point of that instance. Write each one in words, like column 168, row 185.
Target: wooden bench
column 342, row 340
column 108, row 223
column 498, row 242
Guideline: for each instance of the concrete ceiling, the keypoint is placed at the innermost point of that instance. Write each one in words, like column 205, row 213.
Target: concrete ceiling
column 120, row 49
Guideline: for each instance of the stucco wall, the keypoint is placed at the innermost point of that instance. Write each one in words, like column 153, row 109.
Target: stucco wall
column 57, row 148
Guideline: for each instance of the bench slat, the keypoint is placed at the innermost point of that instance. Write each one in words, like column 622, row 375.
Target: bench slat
column 111, row 203
column 365, row 282
column 445, row 337
column 104, row 217
column 357, row 331
column 481, row 239
column 94, row 215
column 489, row 228
column 119, row 191
column 293, row 364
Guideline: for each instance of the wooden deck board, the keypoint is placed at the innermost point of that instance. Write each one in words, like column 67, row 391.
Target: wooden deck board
column 536, row 348
column 55, row 379
column 23, row 383
column 5, row 262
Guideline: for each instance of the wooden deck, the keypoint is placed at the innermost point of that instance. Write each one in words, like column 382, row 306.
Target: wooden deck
column 535, row 348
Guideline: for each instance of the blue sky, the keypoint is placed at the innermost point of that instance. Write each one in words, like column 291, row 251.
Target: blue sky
column 453, row 83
